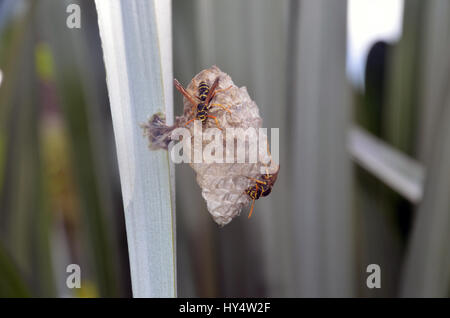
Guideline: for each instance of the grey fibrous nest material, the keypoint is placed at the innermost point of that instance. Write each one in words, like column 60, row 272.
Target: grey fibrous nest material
column 223, row 184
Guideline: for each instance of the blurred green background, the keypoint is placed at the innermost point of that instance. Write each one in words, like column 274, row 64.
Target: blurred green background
column 326, row 219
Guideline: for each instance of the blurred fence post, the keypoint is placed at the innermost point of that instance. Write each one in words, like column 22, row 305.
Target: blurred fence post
column 426, row 270
column 400, row 172
column 427, row 267
column 136, row 42
column 321, row 166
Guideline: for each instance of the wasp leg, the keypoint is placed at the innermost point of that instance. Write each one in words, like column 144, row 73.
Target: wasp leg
column 251, row 209
column 223, row 89
column 256, row 180
column 220, row 91
column 217, row 122
column 220, row 105
column 190, row 121
column 253, row 203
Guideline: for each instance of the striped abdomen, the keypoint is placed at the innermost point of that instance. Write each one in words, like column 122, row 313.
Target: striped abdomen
column 254, row 192
column 201, row 112
column 261, row 189
column 269, row 180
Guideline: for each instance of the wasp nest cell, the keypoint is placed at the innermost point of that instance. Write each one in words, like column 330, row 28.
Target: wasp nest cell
column 223, row 184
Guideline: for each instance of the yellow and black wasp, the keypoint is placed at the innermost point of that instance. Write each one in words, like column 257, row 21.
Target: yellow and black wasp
column 263, row 184
column 262, row 187
column 202, row 102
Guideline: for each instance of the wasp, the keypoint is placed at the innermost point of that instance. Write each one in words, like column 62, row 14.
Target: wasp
column 262, row 187
column 202, row 103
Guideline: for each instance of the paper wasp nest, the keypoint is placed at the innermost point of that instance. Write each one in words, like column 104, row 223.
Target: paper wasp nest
column 223, row 184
